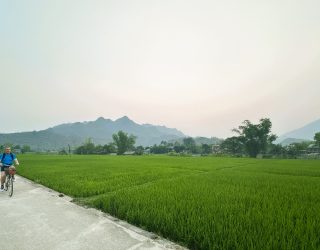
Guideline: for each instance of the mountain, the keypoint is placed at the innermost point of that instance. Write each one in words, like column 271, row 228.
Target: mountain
column 100, row 131
column 305, row 133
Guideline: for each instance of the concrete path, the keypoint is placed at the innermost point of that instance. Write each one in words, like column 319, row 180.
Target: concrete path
column 37, row 218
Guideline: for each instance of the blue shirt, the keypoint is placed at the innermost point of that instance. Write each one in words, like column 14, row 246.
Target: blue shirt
column 7, row 159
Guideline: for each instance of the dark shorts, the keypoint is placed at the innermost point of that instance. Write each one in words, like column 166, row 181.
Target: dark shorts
column 4, row 168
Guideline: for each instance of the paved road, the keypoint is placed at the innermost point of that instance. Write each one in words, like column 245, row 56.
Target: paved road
column 37, row 218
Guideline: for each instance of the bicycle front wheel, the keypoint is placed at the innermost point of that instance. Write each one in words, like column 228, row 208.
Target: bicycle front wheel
column 10, row 186
column 6, row 184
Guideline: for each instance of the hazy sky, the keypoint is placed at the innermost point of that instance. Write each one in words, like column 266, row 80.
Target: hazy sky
column 199, row 66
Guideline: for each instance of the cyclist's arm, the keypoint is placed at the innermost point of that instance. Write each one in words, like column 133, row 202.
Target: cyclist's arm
column 16, row 162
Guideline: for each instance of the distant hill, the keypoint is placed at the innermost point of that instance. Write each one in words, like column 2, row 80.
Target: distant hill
column 305, row 133
column 100, row 131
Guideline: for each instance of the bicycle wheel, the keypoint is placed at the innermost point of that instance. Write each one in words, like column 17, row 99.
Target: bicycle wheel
column 10, row 186
column 6, row 184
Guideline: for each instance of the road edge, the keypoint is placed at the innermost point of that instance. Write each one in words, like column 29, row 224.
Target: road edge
column 121, row 223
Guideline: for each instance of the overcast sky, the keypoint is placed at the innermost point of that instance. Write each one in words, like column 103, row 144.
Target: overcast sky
column 199, row 66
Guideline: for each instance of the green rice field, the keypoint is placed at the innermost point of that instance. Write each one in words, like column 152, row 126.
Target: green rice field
column 198, row 202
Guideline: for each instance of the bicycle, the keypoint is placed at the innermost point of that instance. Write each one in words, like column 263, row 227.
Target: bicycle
column 8, row 186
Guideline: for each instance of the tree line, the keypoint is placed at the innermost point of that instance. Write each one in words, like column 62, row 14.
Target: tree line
column 249, row 140
column 255, row 139
column 122, row 142
column 187, row 146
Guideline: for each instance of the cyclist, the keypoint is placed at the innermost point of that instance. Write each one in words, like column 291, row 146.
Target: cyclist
column 7, row 159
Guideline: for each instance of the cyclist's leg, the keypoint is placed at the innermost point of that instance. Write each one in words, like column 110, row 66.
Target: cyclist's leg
column 3, row 177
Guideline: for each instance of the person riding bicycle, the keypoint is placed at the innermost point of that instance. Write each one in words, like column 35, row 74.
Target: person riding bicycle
column 7, row 159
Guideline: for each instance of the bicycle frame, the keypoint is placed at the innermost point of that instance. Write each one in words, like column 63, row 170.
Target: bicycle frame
column 9, row 180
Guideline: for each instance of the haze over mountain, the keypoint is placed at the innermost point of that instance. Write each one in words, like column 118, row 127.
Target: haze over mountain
column 305, row 133
column 100, row 131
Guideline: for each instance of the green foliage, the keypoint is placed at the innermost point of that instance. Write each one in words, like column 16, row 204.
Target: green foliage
column 317, row 139
column 232, row 145
column 206, row 149
column 277, row 150
column 296, row 149
column 190, row 144
column 293, row 150
column 139, row 150
column 123, row 141
column 109, row 148
column 201, row 202
column 173, row 153
column 89, row 148
column 25, row 149
column 255, row 137
column 159, row 149
column 178, row 148
column 86, row 148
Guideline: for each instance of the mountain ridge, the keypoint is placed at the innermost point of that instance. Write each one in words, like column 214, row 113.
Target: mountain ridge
column 304, row 133
column 99, row 130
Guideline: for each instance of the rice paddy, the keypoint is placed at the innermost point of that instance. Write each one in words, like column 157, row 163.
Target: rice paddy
column 199, row 202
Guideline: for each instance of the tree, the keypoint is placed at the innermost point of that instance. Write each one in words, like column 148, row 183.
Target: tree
column 159, row 149
column 178, row 148
column 256, row 137
column 98, row 150
column 109, row 148
column 123, row 141
column 189, row 144
column 232, row 145
column 87, row 148
column 317, row 138
column 296, row 149
column 25, row 148
column 139, row 150
column 277, row 150
column 206, row 149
